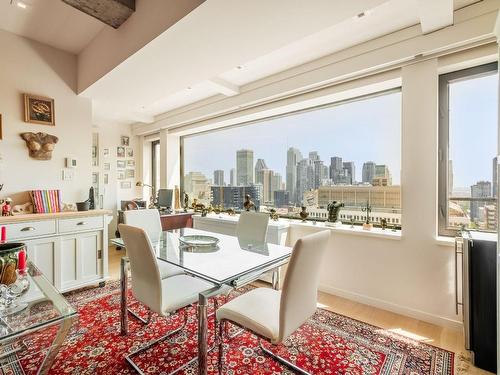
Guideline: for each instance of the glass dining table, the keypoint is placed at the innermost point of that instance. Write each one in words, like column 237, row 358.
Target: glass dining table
column 230, row 263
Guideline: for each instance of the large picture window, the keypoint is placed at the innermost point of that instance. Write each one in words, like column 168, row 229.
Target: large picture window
column 468, row 136
column 348, row 152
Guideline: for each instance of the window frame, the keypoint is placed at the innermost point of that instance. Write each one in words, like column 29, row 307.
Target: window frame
column 154, row 156
column 444, row 142
column 395, row 89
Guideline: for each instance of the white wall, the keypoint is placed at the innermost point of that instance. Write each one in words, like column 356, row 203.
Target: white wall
column 31, row 67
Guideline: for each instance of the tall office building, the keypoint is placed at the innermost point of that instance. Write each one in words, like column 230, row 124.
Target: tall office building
column 219, row 177
column 260, row 165
column 281, row 198
column 313, row 156
column 293, row 156
column 382, row 171
column 336, row 169
column 196, row 185
column 368, row 172
column 264, row 177
column 494, row 180
column 232, row 177
column 319, row 171
column 276, row 182
column 233, row 196
column 349, row 172
column 481, row 189
column 244, row 167
column 305, row 176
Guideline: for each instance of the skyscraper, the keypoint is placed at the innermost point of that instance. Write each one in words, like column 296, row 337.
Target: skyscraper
column 305, row 176
column 313, row 156
column 276, row 182
column 244, row 167
column 281, row 198
column 219, row 177
column 336, row 169
column 318, row 173
column 232, row 177
column 368, row 172
column 349, row 172
column 264, row 177
column 260, row 165
column 293, row 156
column 481, row 189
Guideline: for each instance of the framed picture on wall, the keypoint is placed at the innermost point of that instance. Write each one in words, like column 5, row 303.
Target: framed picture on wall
column 125, row 140
column 105, row 152
column 130, row 152
column 107, row 166
column 125, row 184
column 120, row 175
column 39, row 110
column 120, row 164
column 106, row 179
column 131, row 163
column 130, row 173
column 120, row 152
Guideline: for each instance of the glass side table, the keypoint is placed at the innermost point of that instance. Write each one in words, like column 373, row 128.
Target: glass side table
column 31, row 338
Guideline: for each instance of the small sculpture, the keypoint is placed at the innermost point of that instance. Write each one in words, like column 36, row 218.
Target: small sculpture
column 40, row 145
column 22, row 209
column 333, row 213
column 7, row 208
column 197, row 207
column 383, row 223
column 231, row 212
column 204, row 212
column 248, row 204
column 186, row 202
column 69, row 207
column 273, row 214
column 367, row 225
column 304, row 214
column 91, row 198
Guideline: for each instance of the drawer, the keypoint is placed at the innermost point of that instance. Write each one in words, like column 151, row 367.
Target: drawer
column 30, row 229
column 80, row 224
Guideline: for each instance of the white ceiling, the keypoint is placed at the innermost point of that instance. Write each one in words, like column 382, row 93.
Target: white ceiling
column 226, row 44
column 220, row 46
column 51, row 22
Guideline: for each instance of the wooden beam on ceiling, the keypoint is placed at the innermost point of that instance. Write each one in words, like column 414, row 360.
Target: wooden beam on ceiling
column 112, row 12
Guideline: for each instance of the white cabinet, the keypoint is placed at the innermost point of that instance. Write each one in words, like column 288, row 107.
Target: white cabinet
column 80, row 259
column 43, row 252
column 71, row 249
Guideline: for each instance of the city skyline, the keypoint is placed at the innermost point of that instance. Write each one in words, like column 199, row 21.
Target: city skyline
column 331, row 131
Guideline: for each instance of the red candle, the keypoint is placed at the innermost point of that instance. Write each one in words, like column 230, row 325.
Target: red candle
column 3, row 236
column 21, row 260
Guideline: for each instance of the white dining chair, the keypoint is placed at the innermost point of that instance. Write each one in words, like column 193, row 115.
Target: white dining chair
column 149, row 220
column 163, row 296
column 274, row 315
column 252, row 227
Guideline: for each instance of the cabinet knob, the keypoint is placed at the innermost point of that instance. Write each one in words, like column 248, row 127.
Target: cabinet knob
column 81, row 223
column 27, row 229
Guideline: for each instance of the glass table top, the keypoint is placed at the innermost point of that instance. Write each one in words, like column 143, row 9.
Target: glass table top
column 45, row 306
column 229, row 260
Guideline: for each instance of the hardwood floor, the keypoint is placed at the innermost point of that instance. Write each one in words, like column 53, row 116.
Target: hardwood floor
column 445, row 338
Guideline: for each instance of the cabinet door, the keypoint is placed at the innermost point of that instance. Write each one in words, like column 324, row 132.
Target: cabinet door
column 69, row 262
column 43, row 252
column 89, row 255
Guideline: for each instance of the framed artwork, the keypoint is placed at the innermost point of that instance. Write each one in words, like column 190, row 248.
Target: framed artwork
column 120, row 175
column 105, row 152
column 125, row 185
column 107, row 166
column 120, row 152
column 130, row 152
column 130, row 173
column 131, row 163
column 120, row 164
column 39, row 110
column 106, row 179
column 125, row 140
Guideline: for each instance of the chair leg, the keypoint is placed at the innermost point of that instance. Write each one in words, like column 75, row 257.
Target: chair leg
column 142, row 320
column 282, row 360
column 222, row 323
column 128, row 357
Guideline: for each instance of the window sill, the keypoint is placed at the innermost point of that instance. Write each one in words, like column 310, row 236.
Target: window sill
column 357, row 230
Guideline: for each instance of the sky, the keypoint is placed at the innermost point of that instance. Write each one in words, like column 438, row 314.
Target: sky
column 473, row 129
column 366, row 130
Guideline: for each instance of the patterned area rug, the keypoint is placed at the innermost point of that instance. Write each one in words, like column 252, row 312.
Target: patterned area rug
column 328, row 343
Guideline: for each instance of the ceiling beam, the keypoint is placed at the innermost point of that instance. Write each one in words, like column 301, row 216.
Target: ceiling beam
column 111, row 12
column 435, row 15
column 224, row 87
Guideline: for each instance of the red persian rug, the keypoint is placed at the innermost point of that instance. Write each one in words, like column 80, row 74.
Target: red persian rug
column 328, row 343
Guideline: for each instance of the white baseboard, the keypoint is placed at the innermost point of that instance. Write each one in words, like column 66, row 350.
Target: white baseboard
column 395, row 308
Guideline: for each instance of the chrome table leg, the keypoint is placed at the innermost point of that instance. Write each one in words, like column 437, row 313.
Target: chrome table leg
column 276, row 278
column 123, row 296
column 202, row 334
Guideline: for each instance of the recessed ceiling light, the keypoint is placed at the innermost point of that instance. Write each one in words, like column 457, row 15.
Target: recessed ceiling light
column 21, row 5
column 190, row 88
column 239, row 67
